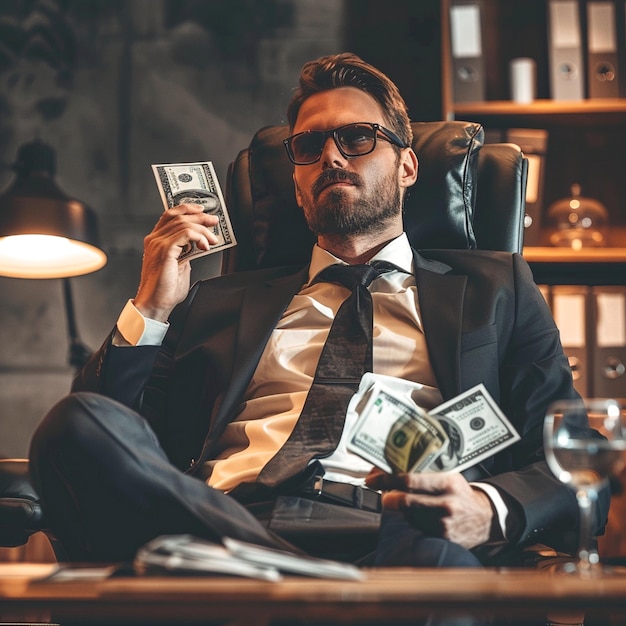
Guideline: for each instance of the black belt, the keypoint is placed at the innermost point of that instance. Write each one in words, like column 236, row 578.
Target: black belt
column 318, row 488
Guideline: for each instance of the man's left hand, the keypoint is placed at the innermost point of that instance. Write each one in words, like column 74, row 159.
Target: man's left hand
column 440, row 504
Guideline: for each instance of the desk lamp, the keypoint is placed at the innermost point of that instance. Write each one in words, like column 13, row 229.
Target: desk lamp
column 46, row 234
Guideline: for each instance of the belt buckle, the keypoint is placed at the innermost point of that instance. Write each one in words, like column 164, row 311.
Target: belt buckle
column 318, row 485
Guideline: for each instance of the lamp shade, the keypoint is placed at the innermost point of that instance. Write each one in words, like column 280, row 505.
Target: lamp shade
column 43, row 232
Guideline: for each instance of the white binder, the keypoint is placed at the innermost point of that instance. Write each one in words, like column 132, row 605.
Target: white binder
column 569, row 309
column 565, row 50
column 609, row 354
column 602, row 58
column 468, row 65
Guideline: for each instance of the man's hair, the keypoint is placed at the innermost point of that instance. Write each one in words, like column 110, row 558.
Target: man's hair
column 349, row 70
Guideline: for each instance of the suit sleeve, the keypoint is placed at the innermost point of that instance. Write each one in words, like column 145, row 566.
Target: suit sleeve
column 535, row 372
column 122, row 372
column 117, row 372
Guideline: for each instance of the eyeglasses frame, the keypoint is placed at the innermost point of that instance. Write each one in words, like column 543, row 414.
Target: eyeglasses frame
column 381, row 133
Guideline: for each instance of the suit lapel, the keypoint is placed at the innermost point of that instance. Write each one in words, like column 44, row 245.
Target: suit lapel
column 440, row 298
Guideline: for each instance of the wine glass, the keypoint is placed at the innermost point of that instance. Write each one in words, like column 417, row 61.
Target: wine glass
column 584, row 443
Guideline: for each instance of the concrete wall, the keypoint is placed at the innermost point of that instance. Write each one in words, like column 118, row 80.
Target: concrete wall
column 113, row 86
column 116, row 85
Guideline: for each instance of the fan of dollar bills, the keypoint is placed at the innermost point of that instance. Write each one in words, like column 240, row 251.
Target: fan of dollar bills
column 395, row 434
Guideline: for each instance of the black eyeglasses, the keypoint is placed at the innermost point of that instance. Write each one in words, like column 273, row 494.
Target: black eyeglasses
column 352, row 140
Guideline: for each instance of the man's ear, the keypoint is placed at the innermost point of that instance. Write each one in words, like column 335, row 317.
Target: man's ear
column 296, row 190
column 408, row 167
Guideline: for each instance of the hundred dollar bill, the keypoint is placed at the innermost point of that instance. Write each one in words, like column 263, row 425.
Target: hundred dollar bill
column 476, row 429
column 196, row 183
column 394, row 433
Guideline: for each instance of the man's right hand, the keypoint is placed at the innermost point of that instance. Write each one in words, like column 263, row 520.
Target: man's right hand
column 164, row 281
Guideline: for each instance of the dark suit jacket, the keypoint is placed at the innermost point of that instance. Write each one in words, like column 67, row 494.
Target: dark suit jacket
column 484, row 321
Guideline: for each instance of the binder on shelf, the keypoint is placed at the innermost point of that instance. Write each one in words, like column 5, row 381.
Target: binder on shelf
column 565, row 50
column 468, row 66
column 602, row 50
column 569, row 308
column 609, row 356
column 534, row 145
column 620, row 20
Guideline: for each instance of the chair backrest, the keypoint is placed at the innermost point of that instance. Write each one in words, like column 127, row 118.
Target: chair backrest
column 468, row 195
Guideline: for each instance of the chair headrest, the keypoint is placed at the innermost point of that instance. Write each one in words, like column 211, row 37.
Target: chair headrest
column 438, row 208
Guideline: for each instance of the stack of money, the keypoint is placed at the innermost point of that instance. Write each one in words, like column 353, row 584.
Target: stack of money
column 195, row 183
column 393, row 433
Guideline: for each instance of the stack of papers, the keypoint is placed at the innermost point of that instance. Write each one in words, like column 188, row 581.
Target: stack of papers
column 185, row 554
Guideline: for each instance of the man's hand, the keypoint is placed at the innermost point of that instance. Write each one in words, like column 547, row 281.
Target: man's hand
column 441, row 504
column 165, row 281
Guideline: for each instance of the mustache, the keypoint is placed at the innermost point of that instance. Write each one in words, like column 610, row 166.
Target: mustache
column 328, row 177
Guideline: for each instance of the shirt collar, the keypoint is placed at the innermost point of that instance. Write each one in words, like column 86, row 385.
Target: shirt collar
column 398, row 251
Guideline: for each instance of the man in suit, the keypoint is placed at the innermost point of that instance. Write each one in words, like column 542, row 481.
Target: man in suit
column 172, row 425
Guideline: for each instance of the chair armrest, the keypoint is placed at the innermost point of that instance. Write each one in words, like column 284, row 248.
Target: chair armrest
column 20, row 509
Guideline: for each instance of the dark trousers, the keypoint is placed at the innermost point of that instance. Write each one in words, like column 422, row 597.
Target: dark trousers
column 107, row 487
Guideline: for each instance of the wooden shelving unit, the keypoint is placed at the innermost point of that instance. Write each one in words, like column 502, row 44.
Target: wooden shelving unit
column 586, row 138
column 590, row 266
column 504, row 113
column 539, row 254
column 542, row 107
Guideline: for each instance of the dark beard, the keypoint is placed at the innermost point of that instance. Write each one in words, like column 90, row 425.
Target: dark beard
column 340, row 216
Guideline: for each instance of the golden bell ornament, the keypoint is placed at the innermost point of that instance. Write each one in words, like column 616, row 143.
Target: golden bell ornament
column 577, row 222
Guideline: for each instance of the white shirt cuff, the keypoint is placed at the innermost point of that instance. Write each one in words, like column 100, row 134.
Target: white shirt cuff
column 498, row 503
column 133, row 329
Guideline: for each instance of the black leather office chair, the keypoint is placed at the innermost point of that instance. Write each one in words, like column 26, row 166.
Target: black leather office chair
column 20, row 511
column 468, row 195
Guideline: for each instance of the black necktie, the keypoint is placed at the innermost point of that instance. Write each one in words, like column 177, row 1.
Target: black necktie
column 345, row 357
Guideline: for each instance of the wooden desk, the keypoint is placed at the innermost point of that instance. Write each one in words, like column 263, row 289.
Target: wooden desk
column 387, row 596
